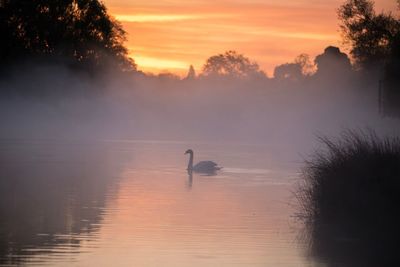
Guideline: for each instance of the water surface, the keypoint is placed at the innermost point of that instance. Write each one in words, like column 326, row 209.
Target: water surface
column 131, row 203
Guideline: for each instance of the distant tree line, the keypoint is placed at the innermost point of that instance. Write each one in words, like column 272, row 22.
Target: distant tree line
column 78, row 32
column 233, row 65
column 82, row 35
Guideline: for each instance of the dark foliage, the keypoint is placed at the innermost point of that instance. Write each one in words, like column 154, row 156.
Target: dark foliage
column 77, row 32
column 333, row 63
column 288, row 71
column 231, row 64
column 295, row 71
column 390, row 89
column 370, row 35
column 349, row 201
column 375, row 41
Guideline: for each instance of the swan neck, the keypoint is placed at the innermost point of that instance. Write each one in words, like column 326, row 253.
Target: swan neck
column 190, row 165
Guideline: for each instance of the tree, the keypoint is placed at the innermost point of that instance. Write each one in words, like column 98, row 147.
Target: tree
column 191, row 73
column 333, row 63
column 288, row 71
column 307, row 67
column 370, row 35
column 231, row 64
column 390, row 94
column 79, row 31
column 295, row 71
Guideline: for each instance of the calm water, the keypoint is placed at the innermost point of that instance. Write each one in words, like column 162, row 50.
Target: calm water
column 131, row 203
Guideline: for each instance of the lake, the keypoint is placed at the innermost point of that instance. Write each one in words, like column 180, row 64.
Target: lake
column 132, row 203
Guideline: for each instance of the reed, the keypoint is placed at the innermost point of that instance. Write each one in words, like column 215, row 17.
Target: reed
column 349, row 199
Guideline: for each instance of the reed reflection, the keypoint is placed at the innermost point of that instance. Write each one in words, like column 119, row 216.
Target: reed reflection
column 51, row 198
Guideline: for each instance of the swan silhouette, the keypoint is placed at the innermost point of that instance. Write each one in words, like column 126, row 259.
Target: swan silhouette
column 202, row 166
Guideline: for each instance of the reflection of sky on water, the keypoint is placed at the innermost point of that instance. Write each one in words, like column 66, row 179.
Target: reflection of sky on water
column 133, row 204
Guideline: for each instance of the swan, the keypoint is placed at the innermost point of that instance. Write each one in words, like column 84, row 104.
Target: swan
column 202, row 166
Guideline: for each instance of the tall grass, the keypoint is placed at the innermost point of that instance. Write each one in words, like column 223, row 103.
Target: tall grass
column 350, row 200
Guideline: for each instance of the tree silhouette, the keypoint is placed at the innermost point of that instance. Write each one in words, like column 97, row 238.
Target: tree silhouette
column 79, row 31
column 288, row 71
column 333, row 63
column 307, row 67
column 295, row 71
column 370, row 35
column 231, row 64
column 191, row 73
column 390, row 96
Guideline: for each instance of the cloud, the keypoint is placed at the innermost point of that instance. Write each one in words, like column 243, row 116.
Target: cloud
column 156, row 17
column 145, row 62
column 184, row 33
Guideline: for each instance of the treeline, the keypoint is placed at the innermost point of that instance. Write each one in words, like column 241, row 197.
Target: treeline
column 77, row 33
column 373, row 39
column 233, row 65
column 81, row 35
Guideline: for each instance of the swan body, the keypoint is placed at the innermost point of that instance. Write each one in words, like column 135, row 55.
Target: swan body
column 202, row 166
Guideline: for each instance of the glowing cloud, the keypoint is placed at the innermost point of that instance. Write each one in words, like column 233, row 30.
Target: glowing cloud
column 173, row 34
column 155, row 17
column 149, row 63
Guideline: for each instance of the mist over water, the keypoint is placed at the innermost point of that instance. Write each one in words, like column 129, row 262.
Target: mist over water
column 95, row 173
column 289, row 114
column 131, row 203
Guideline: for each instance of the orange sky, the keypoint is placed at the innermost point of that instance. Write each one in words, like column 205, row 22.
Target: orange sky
column 169, row 35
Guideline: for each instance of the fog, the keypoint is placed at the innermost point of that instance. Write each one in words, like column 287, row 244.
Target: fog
column 53, row 102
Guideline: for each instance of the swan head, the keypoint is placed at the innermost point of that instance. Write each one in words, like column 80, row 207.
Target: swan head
column 189, row 151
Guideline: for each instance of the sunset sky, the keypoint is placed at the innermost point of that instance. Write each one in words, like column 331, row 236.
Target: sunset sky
column 169, row 35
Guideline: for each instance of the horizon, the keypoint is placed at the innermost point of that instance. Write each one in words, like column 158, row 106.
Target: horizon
column 160, row 35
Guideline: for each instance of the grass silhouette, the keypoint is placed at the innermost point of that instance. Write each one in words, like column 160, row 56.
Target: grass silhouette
column 349, row 200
